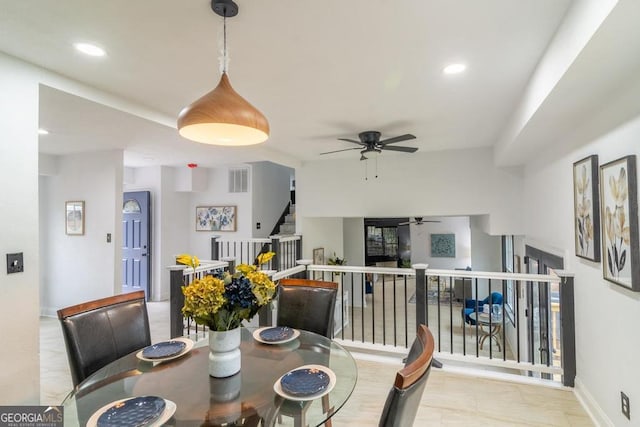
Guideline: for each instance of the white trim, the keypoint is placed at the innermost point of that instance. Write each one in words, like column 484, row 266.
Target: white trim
column 377, row 358
column 502, row 376
column 380, row 349
column 459, row 370
column 590, row 405
column 499, row 363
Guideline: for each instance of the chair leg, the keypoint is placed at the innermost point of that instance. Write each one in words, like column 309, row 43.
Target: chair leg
column 326, row 408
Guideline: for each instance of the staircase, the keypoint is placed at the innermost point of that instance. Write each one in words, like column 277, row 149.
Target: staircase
column 288, row 227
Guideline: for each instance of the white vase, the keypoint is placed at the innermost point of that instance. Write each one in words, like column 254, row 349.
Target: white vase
column 224, row 353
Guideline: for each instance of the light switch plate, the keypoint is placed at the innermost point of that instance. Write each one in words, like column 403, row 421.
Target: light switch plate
column 15, row 263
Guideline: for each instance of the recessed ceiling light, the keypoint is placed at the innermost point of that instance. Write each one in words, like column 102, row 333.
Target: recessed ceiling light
column 43, row 132
column 90, row 49
column 454, row 68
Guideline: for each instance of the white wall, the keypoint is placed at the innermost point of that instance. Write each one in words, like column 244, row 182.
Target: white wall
column 217, row 194
column 449, row 183
column 353, row 236
column 324, row 233
column 19, row 308
column 486, row 250
column 86, row 267
column 421, row 242
column 486, row 254
column 607, row 342
column 173, row 212
column 271, row 192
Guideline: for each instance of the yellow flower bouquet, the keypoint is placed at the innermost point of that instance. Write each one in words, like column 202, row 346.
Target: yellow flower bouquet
column 223, row 301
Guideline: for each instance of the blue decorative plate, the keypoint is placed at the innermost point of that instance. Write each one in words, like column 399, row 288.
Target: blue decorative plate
column 277, row 333
column 136, row 412
column 305, row 382
column 163, row 349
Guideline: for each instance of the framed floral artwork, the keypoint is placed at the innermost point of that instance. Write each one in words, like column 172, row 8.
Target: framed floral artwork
column 318, row 259
column 74, row 218
column 586, row 208
column 619, row 211
column 216, row 218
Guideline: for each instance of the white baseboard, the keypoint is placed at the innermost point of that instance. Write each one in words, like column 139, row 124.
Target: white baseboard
column 590, row 405
column 48, row 312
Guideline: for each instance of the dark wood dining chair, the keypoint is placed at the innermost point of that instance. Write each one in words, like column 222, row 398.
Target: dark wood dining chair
column 403, row 400
column 307, row 304
column 98, row 332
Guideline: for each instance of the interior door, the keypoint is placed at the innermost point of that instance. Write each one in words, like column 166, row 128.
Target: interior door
column 136, row 220
column 541, row 296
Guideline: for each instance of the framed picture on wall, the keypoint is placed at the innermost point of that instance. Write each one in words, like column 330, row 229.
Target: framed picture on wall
column 318, row 259
column 619, row 212
column 216, row 218
column 443, row 245
column 74, row 218
column 586, row 208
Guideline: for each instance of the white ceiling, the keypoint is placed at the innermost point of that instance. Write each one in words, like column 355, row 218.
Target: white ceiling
column 318, row 70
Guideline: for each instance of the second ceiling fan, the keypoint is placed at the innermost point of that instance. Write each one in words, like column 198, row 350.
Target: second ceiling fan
column 418, row 221
column 370, row 142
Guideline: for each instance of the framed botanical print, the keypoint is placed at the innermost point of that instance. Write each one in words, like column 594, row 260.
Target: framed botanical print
column 586, row 208
column 74, row 218
column 318, row 259
column 619, row 211
column 216, row 218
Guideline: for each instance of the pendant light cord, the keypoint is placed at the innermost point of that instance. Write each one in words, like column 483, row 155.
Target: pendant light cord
column 224, row 49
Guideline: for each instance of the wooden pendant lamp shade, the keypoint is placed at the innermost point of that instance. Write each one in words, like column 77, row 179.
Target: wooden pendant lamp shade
column 222, row 116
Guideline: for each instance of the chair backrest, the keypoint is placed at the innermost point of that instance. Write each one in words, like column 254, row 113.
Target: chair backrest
column 307, row 304
column 494, row 298
column 404, row 398
column 98, row 332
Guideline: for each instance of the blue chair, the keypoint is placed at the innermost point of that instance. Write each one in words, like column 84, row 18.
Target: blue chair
column 472, row 305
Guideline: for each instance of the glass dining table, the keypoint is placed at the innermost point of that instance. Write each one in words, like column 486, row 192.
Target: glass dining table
column 245, row 399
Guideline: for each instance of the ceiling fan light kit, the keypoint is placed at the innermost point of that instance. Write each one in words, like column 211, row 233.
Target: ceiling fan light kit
column 222, row 116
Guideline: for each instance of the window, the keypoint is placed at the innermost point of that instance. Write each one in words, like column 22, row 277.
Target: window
column 508, row 267
column 381, row 240
column 131, row 206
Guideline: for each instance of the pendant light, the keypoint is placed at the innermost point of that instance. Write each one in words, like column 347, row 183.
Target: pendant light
column 222, row 116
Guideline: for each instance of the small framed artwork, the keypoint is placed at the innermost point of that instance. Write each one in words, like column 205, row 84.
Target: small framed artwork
column 216, row 218
column 619, row 212
column 443, row 245
column 74, row 218
column 586, row 208
column 318, row 259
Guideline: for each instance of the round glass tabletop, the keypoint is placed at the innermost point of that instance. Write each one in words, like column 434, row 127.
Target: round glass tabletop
column 203, row 400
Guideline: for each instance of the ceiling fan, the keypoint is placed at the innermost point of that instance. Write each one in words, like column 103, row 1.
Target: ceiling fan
column 370, row 142
column 418, row 221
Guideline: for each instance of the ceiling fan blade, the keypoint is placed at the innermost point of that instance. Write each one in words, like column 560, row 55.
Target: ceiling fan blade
column 352, row 140
column 337, row 151
column 395, row 139
column 403, row 149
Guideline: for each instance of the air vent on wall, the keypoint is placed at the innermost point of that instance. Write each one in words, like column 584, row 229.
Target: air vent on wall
column 238, row 180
